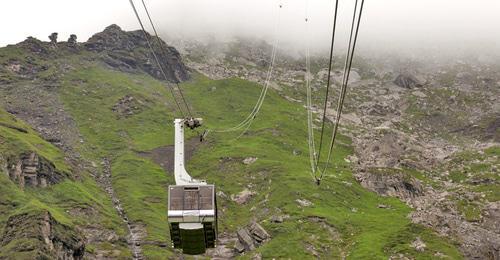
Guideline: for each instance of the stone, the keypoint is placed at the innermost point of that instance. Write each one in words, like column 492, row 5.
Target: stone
column 258, row 232
column 304, row 202
column 243, row 197
column 277, row 219
column 249, row 160
column 251, row 237
column 245, row 239
column 419, row 245
column 409, row 81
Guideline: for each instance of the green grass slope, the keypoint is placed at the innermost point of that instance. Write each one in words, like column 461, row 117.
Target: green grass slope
column 344, row 220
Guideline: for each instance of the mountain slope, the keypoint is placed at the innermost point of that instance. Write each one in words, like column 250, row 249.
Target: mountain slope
column 41, row 218
column 117, row 117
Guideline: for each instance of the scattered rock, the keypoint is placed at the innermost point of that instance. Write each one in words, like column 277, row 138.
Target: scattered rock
column 128, row 106
column 419, row 245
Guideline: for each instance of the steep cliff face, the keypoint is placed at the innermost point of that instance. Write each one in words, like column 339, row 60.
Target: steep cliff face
column 29, row 169
column 37, row 235
column 129, row 51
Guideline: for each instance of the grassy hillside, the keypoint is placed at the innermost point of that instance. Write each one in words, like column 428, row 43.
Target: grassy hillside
column 119, row 115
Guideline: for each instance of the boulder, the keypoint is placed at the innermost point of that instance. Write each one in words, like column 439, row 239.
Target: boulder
column 409, row 81
column 251, row 237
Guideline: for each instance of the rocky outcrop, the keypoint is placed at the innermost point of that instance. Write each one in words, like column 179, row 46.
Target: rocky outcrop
column 53, row 38
column 40, row 236
column 72, row 40
column 396, row 184
column 251, row 237
column 30, row 169
column 129, row 51
column 34, row 45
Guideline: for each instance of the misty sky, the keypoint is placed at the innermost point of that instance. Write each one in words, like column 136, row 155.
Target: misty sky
column 443, row 25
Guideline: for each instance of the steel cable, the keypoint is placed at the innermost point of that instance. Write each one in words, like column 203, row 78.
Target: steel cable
column 146, row 36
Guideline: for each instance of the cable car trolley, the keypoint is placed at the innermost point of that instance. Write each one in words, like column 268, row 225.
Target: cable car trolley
column 192, row 207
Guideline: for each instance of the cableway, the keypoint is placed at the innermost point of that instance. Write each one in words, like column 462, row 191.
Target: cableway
column 194, row 230
column 247, row 122
column 315, row 160
column 157, row 60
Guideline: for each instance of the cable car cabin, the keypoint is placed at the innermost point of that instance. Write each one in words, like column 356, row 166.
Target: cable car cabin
column 192, row 215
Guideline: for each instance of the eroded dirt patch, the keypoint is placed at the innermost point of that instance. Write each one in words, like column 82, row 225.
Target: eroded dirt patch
column 164, row 155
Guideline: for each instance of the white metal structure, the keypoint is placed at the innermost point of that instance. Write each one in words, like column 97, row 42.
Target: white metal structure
column 181, row 175
column 192, row 208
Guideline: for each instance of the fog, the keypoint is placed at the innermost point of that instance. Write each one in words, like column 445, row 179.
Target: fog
column 406, row 26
